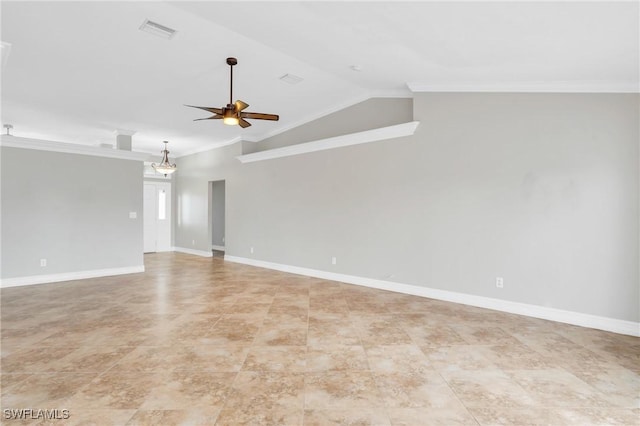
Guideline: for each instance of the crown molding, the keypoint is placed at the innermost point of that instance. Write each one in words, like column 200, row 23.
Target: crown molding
column 309, row 118
column 70, row 148
column 594, row 86
column 399, row 93
column 209, row 147
column 373, row 135
column 124, row 132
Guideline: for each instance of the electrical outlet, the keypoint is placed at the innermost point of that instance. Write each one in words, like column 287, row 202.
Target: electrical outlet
column 251, row 250
column 193, row 242
column 499, row 282
column 43, row 262
column 333, row 260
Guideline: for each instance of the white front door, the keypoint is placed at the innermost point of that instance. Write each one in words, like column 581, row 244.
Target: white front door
column 157, row 216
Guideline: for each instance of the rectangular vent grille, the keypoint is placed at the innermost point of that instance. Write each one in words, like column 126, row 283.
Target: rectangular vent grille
column 157, row 29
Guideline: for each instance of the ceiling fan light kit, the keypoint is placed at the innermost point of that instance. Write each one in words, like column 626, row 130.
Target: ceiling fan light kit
column 233, row 114
column 230, row 117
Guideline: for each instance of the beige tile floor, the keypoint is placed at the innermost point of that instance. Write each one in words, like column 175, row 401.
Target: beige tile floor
column 201, row 341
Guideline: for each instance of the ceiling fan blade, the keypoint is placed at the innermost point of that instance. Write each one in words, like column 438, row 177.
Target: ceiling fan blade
column 260, row 116
column 210, row 109
column 213, row 117
column 243, row 123
column 240, row 105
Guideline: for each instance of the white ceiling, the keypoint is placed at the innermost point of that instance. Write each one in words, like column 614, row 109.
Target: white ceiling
column 78, row 71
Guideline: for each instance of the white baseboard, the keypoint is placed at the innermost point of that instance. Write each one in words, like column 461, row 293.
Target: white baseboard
column 202, row 253
column 219, row 248
column 69, row 276
column 568, row 317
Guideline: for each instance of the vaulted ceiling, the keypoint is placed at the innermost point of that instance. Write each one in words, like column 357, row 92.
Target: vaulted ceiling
column 78, row 71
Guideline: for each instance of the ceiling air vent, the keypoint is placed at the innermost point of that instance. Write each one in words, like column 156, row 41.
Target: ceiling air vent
column 157, row 29
column 291, row 79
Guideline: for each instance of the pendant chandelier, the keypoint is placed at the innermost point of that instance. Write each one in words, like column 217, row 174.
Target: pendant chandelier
column 165, row 167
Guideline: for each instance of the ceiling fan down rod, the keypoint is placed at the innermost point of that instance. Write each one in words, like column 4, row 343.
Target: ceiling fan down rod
column 231, row 62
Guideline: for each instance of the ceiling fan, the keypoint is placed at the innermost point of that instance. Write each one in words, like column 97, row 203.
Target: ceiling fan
column 234, row 113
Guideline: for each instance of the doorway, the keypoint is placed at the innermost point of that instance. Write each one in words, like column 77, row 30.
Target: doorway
column 157, row 217
column 217, row 195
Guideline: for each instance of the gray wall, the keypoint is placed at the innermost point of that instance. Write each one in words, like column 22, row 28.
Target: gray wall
column 217, row 212
column 541, row 189
column 74, row 213
column 192, row 222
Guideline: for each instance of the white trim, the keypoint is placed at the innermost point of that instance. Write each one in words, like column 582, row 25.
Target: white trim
column 71, row 148
column 156, row 177
column 400, row 93
column 283, row 128
column 333, row 108
column 576, row 318
column 529, row 87
column 69, row 276
column 219, row 248
column 202, row 253
column 373, row 135
column 124, row 132
column 210, row 146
